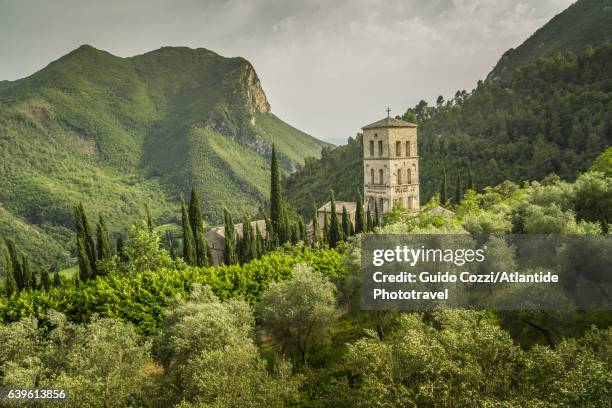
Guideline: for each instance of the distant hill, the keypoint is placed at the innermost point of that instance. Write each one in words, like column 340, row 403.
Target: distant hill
column 555, row 115
column 584, row 22
column 339, row 168
column 117, row 133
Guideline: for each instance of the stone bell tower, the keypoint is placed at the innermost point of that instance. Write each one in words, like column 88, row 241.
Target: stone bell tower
column 390, row 165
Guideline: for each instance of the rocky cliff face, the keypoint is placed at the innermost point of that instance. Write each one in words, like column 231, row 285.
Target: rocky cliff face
column 255, row 93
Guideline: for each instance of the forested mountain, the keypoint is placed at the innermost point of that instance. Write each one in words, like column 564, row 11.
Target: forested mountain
column 584, row 22
column 555, row 115
column 117, row 133
column 339, row 168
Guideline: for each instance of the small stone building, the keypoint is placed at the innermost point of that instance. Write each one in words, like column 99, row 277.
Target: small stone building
column 216, row 238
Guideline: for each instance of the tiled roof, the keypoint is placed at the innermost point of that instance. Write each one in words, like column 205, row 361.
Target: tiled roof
column 389, row 122
column 351, row 207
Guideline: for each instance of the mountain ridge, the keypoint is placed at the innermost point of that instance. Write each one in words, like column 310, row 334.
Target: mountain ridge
column 118, row 133
column 584, row 22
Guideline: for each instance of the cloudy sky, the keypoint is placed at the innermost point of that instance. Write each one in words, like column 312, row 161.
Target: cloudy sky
column 328, row 66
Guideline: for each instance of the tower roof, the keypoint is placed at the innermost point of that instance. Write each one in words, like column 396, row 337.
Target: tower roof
column 389, row 122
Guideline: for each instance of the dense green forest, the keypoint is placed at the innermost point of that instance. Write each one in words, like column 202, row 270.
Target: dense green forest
column 584, row 22
column 554, row 116
column 286, row 329
column 119, row 133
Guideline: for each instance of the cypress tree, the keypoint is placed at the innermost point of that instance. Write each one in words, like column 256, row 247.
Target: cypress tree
column 261, row 244
column 443, row 189
column 254, row 252
column 57, row 282
column 83, row 258
column 325, row 228
column 88, row 239
column 315, row 224
column 335, row 234
column 276, row 199
column 458, row 190
column 103, row 242
column 197, row 227
column 376, row 221
column 302, row 231
column 149, row 219
column 369, row 223
column 45, row 281
column 246, row 241
column 85, row 271
column 120, row 249
column 294, row 234
column 10, row 286
column 230, row 257
column 284, row 228
column 16, row 266
column 271, row 240
column 189, row 253
column 470, row 185
column 359, row 216
column 346, row 223
column 28, row 275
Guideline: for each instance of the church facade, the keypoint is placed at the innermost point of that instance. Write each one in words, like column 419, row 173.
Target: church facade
column 390, row 165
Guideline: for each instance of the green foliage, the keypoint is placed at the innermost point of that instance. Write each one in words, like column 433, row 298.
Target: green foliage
column 139, row 297
column 603, row 163
column 117, row 133
column 360, row 221
column 297, row 313
column 210, row 359
column 584, row 22
column 276, row 198
column 346, row 224
column 335, row 233
column 189, row 250
column 102, row 240
column 143, row 250
column 230, row 250
column 339, row 168
column 464, row 358
column 100, row 364
column 197, row 227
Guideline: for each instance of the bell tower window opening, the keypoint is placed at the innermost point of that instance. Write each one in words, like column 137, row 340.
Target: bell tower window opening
column 380, row 177
column 380, row 148
column 371, row 148
column 398, row 148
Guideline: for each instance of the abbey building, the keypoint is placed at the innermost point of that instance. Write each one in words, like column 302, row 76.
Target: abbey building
column 390, row 165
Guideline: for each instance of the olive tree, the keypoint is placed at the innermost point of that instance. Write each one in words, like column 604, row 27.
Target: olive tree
column 297, row 313
column 100, row 364
column 210, row 359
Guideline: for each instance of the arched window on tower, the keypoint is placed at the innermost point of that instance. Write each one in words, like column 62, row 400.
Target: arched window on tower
column 371, row 148
column 399, row 176
column 409, row 176
column 380, row 148
column 408, row 148
column 371, row 176
column 398, row 148
column 381, row 205
column 380, row 177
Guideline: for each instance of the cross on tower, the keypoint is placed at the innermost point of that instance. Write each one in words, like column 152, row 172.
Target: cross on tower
column 388, row 112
